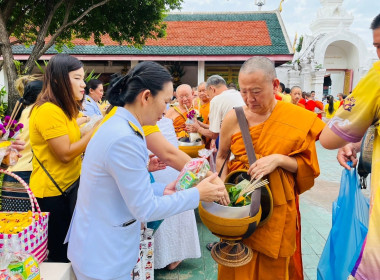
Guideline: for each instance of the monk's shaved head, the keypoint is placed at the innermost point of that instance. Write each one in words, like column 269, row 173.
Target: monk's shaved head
column 184, row 87
column 259, row 63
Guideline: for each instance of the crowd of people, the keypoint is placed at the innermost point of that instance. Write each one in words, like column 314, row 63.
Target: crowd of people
column 120, row 171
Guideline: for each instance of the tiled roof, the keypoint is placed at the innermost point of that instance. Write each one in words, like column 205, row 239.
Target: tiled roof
column 255, row 33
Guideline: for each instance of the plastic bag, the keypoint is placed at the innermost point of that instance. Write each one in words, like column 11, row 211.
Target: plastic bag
column 87, row 127
column 349, row 229
column 205, row 153
column 193, row 172
column 4, row 149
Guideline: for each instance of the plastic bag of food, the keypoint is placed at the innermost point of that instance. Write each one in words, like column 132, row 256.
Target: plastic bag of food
column 193, row 172
column 4, row 149
column 88, row 126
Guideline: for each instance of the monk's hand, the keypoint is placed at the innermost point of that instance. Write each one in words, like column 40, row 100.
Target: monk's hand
column 225, row 199
column 155, row 164
column 346, row 154
column 264, row 166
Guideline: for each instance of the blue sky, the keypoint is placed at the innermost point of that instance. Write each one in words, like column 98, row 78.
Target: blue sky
column 296, row 14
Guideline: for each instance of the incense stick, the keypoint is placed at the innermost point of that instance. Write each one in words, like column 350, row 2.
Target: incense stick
column 15, row 111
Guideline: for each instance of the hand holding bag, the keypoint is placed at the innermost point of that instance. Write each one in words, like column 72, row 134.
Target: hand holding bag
column 349, row 229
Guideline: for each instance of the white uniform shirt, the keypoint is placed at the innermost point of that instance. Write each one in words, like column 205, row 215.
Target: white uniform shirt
column 220, row 105
column 115, row 190
column 91, row 107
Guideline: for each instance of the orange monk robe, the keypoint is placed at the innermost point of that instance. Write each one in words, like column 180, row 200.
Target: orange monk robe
column 275, row 242
column 179, row 122
column 204, row 111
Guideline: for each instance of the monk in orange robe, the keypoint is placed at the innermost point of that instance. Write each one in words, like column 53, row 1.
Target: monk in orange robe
column 286, row 155
column 296, row 95
column 178, row 114
column 204, row 109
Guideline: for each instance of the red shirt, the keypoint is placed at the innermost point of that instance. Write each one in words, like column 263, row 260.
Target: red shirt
column 310, row 105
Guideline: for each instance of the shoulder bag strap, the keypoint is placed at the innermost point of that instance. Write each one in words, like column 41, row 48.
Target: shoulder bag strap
column 243, row 123
column 48, row 174
column 255, row 201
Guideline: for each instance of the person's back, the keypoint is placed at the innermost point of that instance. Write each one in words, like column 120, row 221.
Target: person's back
column 222, row 104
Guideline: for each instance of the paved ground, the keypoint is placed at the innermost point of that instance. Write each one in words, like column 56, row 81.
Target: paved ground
column 315, row 208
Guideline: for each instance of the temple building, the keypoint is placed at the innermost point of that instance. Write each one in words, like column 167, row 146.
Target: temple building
column 332, row 59
column 196, row 46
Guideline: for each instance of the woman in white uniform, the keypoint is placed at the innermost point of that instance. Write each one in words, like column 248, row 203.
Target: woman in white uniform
column 115, row 193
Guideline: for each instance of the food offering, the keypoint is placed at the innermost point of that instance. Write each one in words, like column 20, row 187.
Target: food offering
column 9, row 130
column 193, row 172
column 15, row 222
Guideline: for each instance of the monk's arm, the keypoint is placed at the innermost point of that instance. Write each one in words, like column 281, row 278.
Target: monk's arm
column 166, row 152
column 171, row 114
column 225, row 142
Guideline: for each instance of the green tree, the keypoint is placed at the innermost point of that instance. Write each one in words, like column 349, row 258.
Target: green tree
column 43, row 23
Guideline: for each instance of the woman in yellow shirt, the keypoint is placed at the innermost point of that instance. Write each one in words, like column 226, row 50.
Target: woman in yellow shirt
column 56, row 142
column 331, row 107
column 14, row 196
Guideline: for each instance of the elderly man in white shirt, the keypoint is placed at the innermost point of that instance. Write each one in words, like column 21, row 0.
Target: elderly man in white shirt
column 222, row 101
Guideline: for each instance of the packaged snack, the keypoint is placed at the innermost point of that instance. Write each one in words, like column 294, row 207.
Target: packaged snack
column 193, row 172
column 22, row 265
column 11, row 158
column 4, row 148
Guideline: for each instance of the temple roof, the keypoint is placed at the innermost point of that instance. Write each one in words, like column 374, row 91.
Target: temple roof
column 199, row 34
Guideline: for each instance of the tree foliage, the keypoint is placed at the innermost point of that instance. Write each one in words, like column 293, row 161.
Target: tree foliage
column 41, row 24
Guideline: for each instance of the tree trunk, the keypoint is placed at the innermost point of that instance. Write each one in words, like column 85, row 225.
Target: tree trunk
column 8, row 66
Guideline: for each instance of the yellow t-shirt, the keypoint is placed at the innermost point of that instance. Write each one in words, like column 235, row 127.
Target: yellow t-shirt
column 25, row 162
column 336, row 107
column 48, row 121
column 285, row 97
column 149, row 129
column 360, row 110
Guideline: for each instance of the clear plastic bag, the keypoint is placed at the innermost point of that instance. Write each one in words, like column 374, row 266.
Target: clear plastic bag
column 88, row 126
column 193, row 172
column 4, row 149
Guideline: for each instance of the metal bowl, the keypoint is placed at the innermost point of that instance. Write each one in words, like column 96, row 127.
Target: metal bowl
column 199, row 143
column 226, row 211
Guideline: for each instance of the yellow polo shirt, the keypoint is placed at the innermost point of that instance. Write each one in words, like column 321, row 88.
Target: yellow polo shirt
column 46, row 122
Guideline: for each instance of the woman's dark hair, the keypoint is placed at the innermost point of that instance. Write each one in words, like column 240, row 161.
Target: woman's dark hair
column 145, row 75
column 330, row 100
column 92, row 84
column 31, row 92
column 29, row 87
column 57, row 87
column 282, row 87
column 375, row 24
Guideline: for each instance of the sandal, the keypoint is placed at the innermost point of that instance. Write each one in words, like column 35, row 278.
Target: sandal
column 210, row 245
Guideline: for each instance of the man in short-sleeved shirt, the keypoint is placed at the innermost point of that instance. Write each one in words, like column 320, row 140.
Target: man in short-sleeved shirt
column 222, row 101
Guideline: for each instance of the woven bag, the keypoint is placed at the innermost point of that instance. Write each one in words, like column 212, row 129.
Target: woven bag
column 34, row 237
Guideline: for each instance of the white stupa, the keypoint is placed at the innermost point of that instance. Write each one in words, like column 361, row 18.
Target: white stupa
column 332, row 59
